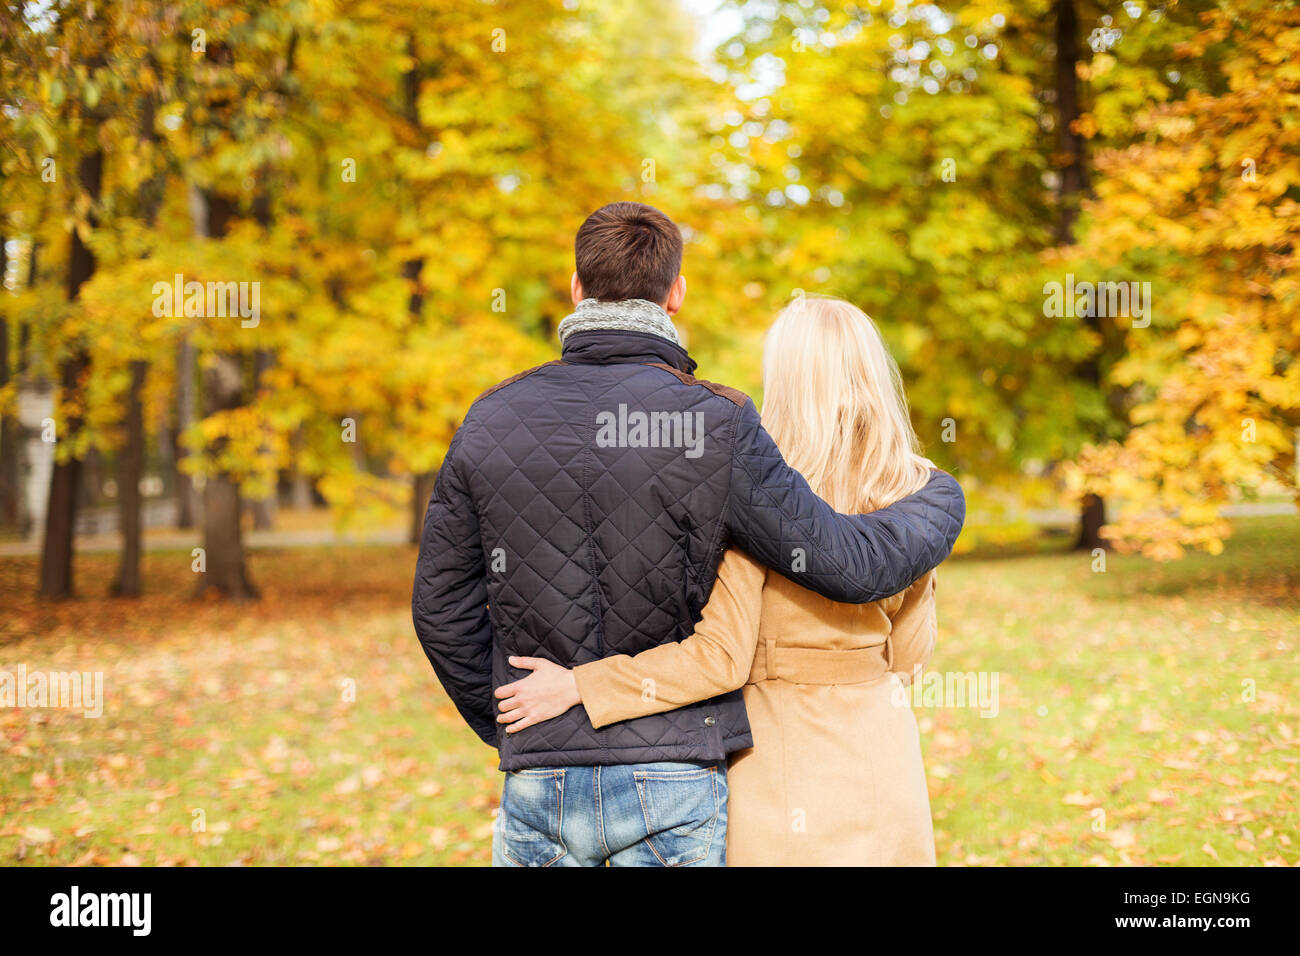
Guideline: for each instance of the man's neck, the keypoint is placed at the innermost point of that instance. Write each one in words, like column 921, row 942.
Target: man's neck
column 626, row 315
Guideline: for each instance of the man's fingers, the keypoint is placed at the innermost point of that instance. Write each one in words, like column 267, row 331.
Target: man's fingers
column 506, row 706
column 509, row 717
column 507, row 690
column 514, row 728
column 527, row 663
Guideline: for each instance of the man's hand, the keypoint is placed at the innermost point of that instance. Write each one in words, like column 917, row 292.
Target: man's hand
column 547, row 692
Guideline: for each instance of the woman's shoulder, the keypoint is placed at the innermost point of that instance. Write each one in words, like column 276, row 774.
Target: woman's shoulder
column 741, row 575
column 739, row 568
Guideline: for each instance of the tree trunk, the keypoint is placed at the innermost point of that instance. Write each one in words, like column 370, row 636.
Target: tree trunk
column 186, row 500
column 1091, row 520
column 223, row 542
column 8, row 423
column 65, row 479
column 21, row 361
column 25, row 330
column 1072, row 185
column 300, row 494
column 421, row 491
column 422, row 482
column 263, row 508
column 1074, row 169
column 223, row 390
column 92, row 483
column 10, row 484
column 61, row 509
column 223, row 546
column 130, row 466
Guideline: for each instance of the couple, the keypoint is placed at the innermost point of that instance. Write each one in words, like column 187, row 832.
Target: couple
column 565, row 591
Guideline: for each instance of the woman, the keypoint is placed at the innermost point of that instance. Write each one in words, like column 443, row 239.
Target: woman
column 835, row 774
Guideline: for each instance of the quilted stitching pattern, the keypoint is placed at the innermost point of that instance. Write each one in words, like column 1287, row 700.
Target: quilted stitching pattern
column 540, row 542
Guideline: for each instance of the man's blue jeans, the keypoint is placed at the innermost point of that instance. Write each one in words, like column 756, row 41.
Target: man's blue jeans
column 649, row 814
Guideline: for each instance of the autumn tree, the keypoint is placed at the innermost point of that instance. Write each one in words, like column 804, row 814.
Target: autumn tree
column 1207, row 199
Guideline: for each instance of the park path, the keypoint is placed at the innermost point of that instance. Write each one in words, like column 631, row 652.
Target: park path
column 185, row 540
column 172, row 540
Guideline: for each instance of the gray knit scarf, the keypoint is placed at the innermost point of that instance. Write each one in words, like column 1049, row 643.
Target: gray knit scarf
column 626, row 315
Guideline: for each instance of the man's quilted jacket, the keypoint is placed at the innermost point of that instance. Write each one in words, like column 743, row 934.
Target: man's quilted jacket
column 558, row 528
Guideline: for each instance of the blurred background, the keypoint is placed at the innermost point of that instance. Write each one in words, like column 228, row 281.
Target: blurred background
column 259, row 258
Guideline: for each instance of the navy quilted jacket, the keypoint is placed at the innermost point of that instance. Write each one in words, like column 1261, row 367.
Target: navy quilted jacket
column 564, row 525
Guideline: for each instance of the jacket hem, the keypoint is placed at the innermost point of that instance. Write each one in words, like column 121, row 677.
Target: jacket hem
column 615, row 756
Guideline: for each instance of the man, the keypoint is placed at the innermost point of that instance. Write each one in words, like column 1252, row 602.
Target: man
column 581, row 511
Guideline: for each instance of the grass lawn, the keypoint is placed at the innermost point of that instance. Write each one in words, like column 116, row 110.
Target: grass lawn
column 1146, row 715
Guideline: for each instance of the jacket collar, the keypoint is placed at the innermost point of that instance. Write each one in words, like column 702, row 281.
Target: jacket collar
column 627, row 315
column 618, row 347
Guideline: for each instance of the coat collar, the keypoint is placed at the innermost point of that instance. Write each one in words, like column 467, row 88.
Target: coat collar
column 626, row 315
column 617, row 347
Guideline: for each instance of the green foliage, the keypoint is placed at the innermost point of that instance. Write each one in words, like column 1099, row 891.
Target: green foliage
column 403, row 181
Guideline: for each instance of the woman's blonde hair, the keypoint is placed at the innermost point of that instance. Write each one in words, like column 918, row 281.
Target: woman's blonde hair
column 833, row 402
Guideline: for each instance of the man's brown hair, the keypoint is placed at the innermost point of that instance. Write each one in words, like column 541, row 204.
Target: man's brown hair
column 628, row 250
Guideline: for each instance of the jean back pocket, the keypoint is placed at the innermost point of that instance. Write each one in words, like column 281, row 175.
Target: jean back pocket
column 681, row 810
column 532, row 811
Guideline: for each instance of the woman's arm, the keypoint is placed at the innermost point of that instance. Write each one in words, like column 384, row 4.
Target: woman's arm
column 715, row 659
column 915, row 625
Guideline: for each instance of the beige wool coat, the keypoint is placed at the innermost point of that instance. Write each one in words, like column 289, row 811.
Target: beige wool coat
column 835, row 774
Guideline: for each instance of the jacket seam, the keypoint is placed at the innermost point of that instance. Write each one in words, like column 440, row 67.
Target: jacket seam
column 679, row 747
column 590, row 528
column 715, row 540
column 513, row 380
column 725, row 512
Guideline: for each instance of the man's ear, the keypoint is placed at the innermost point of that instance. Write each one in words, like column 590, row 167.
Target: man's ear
column 575, row 289
column 676, row 295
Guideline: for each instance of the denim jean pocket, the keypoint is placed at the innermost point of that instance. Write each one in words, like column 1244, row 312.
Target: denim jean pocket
column 532, row 811
column 681, row 811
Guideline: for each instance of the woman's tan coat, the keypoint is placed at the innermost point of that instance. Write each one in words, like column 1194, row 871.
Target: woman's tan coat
column 835, row 774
